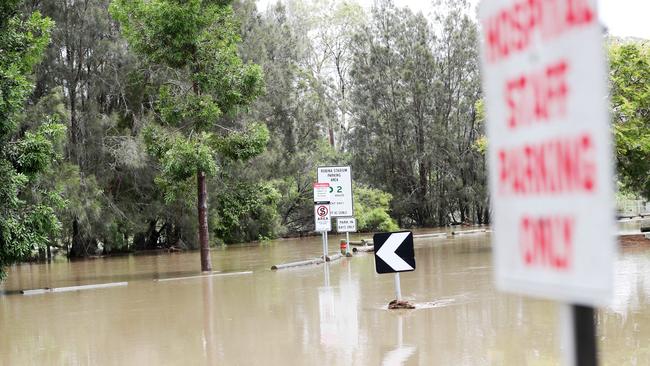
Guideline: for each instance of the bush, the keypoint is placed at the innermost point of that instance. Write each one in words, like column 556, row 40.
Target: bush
column 371, row 208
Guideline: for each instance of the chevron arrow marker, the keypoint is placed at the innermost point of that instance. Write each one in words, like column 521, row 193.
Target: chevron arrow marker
column 387, row 252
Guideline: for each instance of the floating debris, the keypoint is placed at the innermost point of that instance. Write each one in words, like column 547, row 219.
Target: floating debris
column 400, row 304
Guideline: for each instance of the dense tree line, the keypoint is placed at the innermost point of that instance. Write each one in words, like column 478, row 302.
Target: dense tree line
column 113, row 113
column 415, row 89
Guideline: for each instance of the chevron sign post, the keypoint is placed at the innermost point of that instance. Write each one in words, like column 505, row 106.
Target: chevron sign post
column 394, row 253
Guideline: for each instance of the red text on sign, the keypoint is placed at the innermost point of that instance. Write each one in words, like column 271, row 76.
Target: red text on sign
column 547, row 241
column 538, row 96
column 555, row 166
column 514, row 29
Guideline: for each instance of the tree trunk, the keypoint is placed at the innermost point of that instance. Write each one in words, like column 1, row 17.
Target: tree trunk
column 206, row 263
column 74, row 128
column 76, row 240
column 486, row 216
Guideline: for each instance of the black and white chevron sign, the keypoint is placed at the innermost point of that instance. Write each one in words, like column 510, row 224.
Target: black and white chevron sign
column 394, row 252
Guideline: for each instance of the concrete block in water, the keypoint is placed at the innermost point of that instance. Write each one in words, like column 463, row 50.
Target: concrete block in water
column 297, row 264
column 366, row 248
column 73, row 288
column 334, row 257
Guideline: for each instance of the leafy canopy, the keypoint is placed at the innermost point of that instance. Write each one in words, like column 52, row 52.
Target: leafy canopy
column 630, row 80
column 27, row 212
column 206, row 81
column 199, row 38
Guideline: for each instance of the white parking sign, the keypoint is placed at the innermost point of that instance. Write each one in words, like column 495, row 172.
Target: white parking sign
column 550, row 154
column 322, row 217
column 346, row 224
column 339, row 179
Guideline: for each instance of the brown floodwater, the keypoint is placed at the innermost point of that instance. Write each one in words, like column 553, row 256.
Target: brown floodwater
column 332, row 314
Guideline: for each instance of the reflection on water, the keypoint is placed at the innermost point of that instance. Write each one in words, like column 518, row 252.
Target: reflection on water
column 332, row 314
column 209, row 333
column 338, row 312
column 632, row 226
column 401, row 353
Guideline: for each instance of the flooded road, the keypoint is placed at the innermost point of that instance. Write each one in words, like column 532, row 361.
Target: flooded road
column 330, row 314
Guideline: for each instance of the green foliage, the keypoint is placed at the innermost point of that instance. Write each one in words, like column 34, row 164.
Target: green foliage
column 630, row 94
column 244, row 212
column 199, row 37
column 36, row 150
column 243, row 145
column 198, row 40
column 196, row 110
column 416, row 122
column 27, row 212
column 22, row 42
column 84, row 201
column 371, row 208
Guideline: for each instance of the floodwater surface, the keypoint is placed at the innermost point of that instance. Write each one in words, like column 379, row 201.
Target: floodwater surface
column 333, row 314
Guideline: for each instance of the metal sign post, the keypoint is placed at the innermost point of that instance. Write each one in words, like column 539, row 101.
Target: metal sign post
column 578, row 335
column 347, row 243
column 325, row 246
column 346, row 225
column 322, row 213
column 567, row 338
column 398, row 288
column 394, row 253
column 323, row 223
column 338, row 179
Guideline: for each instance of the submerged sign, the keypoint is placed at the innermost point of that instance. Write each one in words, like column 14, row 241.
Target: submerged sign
column 322, row 217
column 394, row 252
column 346, row 225
column 321, row 192
column 339, row 179
column 550, row 154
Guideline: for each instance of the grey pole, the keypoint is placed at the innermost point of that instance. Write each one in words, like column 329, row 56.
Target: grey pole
column 347, row 246
column 567, row 342
column 326, row 247
column 398, row 289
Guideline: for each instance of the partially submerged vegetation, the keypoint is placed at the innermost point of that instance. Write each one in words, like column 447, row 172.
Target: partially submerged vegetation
column 105, row 121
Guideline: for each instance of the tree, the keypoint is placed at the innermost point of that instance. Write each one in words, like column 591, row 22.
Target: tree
column 293, row 109
column 414, row 91
column 197, row 40
column 630, row 94
column 27, row 219
column 329, row 26
column 88, row 65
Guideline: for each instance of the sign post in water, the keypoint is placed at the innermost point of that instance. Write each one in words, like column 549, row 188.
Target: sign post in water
column 322, row 213
column 323, row 223
column 339, row 181
column 550, row 157
column 346, row 225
